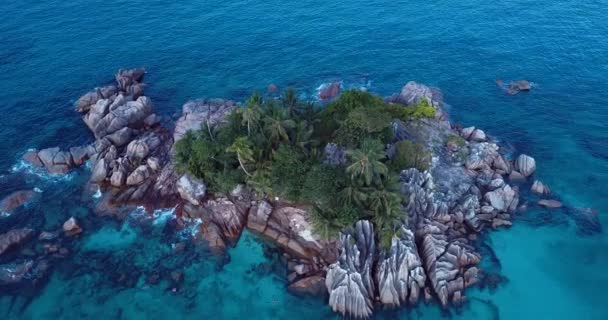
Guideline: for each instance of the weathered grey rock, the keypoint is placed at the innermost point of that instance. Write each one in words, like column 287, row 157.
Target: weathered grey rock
column 516, row 176
column 540, row 188
column 71, row 227
column 467, row 132
column 400, row 275
column 85, row 102
column 79, row 155
column 227, row 217
column 118, row 178
column 501, row 165
column 126, row 78
column 443, row 263
column 138, row 176
column 258, row 216
column 137, row 149
column 195, row 113
column 552, row 204
column 191, row 189
column 14, row 238
column 349, row 281
column 503, row 199
column 100, row 171
column 478, row 135
column 525, row 164
column 121, row 137
column 131, row 114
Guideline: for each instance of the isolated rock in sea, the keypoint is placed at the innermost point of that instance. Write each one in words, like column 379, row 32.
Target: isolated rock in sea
column 14, row 238
column 400, row 275
column 195, row 113
column 540, row 188
column 525, row 165
column 349, row 281
column 71, row 227
column 552, row 204
column 191, row 189
column 16, row 199
column 330, row 91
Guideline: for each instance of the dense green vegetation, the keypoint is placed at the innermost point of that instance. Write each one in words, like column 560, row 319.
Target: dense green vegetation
column 275, row 147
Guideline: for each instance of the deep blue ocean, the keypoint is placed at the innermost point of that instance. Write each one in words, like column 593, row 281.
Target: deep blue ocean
column 51, row 52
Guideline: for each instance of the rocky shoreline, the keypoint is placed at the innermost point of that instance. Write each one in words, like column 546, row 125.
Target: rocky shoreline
column 471, row 187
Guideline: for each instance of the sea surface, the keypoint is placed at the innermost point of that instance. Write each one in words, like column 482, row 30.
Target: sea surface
column 53, row 51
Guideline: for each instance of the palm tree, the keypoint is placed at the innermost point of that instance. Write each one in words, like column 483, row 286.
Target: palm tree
column 388, row 213
column 304, row 136
column 251, row 115
column 353, row 194
column 242, row 148
column 290, row 100
column 276, row 127
column 366, row 162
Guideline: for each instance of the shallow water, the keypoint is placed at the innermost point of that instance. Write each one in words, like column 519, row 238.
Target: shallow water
column 52, row 51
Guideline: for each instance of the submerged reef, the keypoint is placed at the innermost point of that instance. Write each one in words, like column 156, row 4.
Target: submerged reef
column 468, row 186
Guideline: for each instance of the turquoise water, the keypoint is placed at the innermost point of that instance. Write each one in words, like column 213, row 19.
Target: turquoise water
column 53, row 51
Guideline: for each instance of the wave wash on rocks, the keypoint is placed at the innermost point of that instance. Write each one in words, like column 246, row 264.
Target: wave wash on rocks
column 431, row 255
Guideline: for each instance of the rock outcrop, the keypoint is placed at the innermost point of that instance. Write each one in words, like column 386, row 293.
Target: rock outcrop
column 525, row 165
column 197, row 113
column 350, row 280
column 400, row 276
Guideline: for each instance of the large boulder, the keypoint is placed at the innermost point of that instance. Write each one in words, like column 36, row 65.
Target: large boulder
column 349, row 281
column 14, row 238
column 525, row 165
column 329, row 91
column 503, row 199
column 540, row 188
column 309, row 286
column 71, row 227
column 227, row 217
column 16, row 199
column 258, row 216
column 195, row 113
column 400, row 275
column 191, row 189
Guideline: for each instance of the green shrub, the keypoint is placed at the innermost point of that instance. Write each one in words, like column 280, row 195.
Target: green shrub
column 327, row 222
column 321, row 185
column 410, row 155
column 288, row 171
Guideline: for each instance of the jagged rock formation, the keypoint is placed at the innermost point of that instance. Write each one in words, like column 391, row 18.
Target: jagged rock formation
column 400, row 275
column 350, row 280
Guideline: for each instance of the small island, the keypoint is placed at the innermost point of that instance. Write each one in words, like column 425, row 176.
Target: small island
column 375, row 202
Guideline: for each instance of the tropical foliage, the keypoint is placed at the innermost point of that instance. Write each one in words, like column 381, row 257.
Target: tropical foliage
column 276, row 147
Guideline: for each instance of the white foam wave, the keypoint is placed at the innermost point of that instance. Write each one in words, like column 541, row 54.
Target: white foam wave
column 25, row 168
